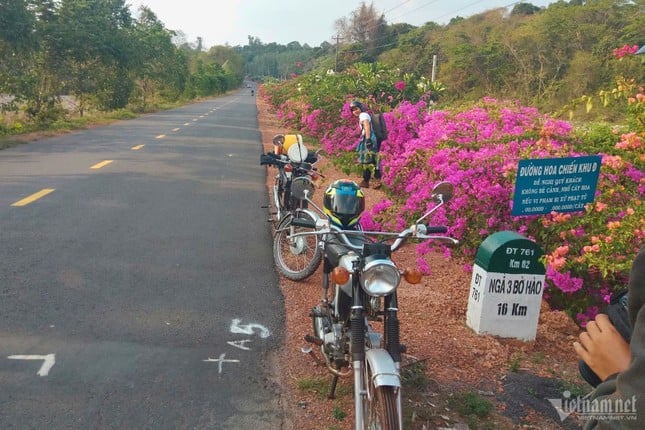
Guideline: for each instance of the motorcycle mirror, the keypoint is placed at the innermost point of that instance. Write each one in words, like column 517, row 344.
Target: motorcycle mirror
column 278, row 139
column 443, row 192
column 301, row 188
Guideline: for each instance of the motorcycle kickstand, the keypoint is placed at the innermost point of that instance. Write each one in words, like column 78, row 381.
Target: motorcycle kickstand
column 332, row 387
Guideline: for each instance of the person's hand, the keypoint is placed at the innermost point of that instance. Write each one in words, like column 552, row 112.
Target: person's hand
column 603, row 348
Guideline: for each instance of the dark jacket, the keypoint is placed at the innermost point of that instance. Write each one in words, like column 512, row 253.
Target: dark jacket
column 630, row 383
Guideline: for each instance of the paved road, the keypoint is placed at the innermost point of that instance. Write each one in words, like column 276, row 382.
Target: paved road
column 137, row 289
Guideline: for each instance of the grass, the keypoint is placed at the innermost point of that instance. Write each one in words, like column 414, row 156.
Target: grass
column 414, row 376
column 339, row 414
column 474, row 408
column 515, row 362
column 320, row 387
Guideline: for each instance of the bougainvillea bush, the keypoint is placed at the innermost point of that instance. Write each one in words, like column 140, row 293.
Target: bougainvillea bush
column 587, row 254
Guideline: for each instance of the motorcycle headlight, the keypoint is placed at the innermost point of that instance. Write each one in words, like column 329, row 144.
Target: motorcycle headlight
column 380, row 277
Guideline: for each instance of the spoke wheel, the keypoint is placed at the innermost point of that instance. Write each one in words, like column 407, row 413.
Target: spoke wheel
column 296, row 258
column 381, row 410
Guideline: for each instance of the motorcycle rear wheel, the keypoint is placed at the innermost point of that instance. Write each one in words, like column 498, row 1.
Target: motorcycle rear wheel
column 296, row 258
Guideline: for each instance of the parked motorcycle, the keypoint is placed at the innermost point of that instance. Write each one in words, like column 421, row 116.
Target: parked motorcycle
column 295, row 257
column 358, row 268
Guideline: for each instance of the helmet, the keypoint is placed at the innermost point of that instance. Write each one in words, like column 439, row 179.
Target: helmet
column 356, row 103
column 344, row 202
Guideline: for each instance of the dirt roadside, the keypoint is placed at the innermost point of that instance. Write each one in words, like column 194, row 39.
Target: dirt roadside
column 462, row 380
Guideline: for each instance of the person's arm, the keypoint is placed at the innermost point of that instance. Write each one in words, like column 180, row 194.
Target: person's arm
column 626, row 386
column 366, row 126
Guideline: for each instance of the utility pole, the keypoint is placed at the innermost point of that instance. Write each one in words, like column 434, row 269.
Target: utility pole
column 338, row 38
column 434, row 67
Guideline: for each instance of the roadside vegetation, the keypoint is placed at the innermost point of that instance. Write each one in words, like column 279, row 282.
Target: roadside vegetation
column 475, row 136
column 69, row 63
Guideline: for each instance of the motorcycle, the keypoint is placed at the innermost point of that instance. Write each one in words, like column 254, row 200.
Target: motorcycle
column 358, row 268
column 295, row 257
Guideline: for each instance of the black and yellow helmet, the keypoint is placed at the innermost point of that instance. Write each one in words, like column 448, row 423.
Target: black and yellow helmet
column 344, row 202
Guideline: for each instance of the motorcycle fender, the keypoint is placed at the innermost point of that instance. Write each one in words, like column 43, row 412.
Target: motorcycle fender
column 384, row 371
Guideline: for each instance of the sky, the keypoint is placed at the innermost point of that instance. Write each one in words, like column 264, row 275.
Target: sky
column 230, row 22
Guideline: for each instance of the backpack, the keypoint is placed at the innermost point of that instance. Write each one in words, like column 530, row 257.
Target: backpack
column 379, row 126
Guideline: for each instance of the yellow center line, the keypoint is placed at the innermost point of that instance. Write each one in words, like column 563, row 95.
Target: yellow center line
column 161, row 136
column 138, row 147
column 33, row 197
column 101, row 164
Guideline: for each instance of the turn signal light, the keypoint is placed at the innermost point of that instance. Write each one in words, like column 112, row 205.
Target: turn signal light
column 413, row 276
column 340, row 275
column 288, row 168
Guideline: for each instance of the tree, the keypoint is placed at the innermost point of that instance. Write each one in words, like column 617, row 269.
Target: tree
column 524, row 9
column 92, row 39
column 365, row 27
column 159, row 64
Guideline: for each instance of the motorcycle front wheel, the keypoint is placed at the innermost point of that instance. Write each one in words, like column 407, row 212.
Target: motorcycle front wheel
column 380, row 406
column 295, row 257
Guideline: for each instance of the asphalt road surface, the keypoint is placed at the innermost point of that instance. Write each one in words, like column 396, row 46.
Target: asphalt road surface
column 137, row 288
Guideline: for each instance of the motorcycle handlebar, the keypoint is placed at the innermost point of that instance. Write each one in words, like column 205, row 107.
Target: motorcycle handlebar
column 275, row 160
column 418, row 231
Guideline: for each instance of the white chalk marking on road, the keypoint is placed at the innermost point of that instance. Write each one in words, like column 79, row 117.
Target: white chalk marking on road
column 186, row 124
column 138, row 147
column 249, row 328
column 176, row 129
column 50, row 360
column 161, row 136
column 220, row 361
column 240, row 344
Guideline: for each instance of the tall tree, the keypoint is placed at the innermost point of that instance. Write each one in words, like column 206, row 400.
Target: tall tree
column 92, row 38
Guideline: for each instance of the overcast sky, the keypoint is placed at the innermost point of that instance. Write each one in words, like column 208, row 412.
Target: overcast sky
column 221, row 22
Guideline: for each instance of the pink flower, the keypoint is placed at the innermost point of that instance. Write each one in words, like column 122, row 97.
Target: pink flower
column 400, row 85
column 624, row 50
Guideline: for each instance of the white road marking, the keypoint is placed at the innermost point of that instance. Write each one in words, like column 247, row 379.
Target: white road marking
column 221, row 361
column 50, row 360
column 249, row 328
column 240, row 344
